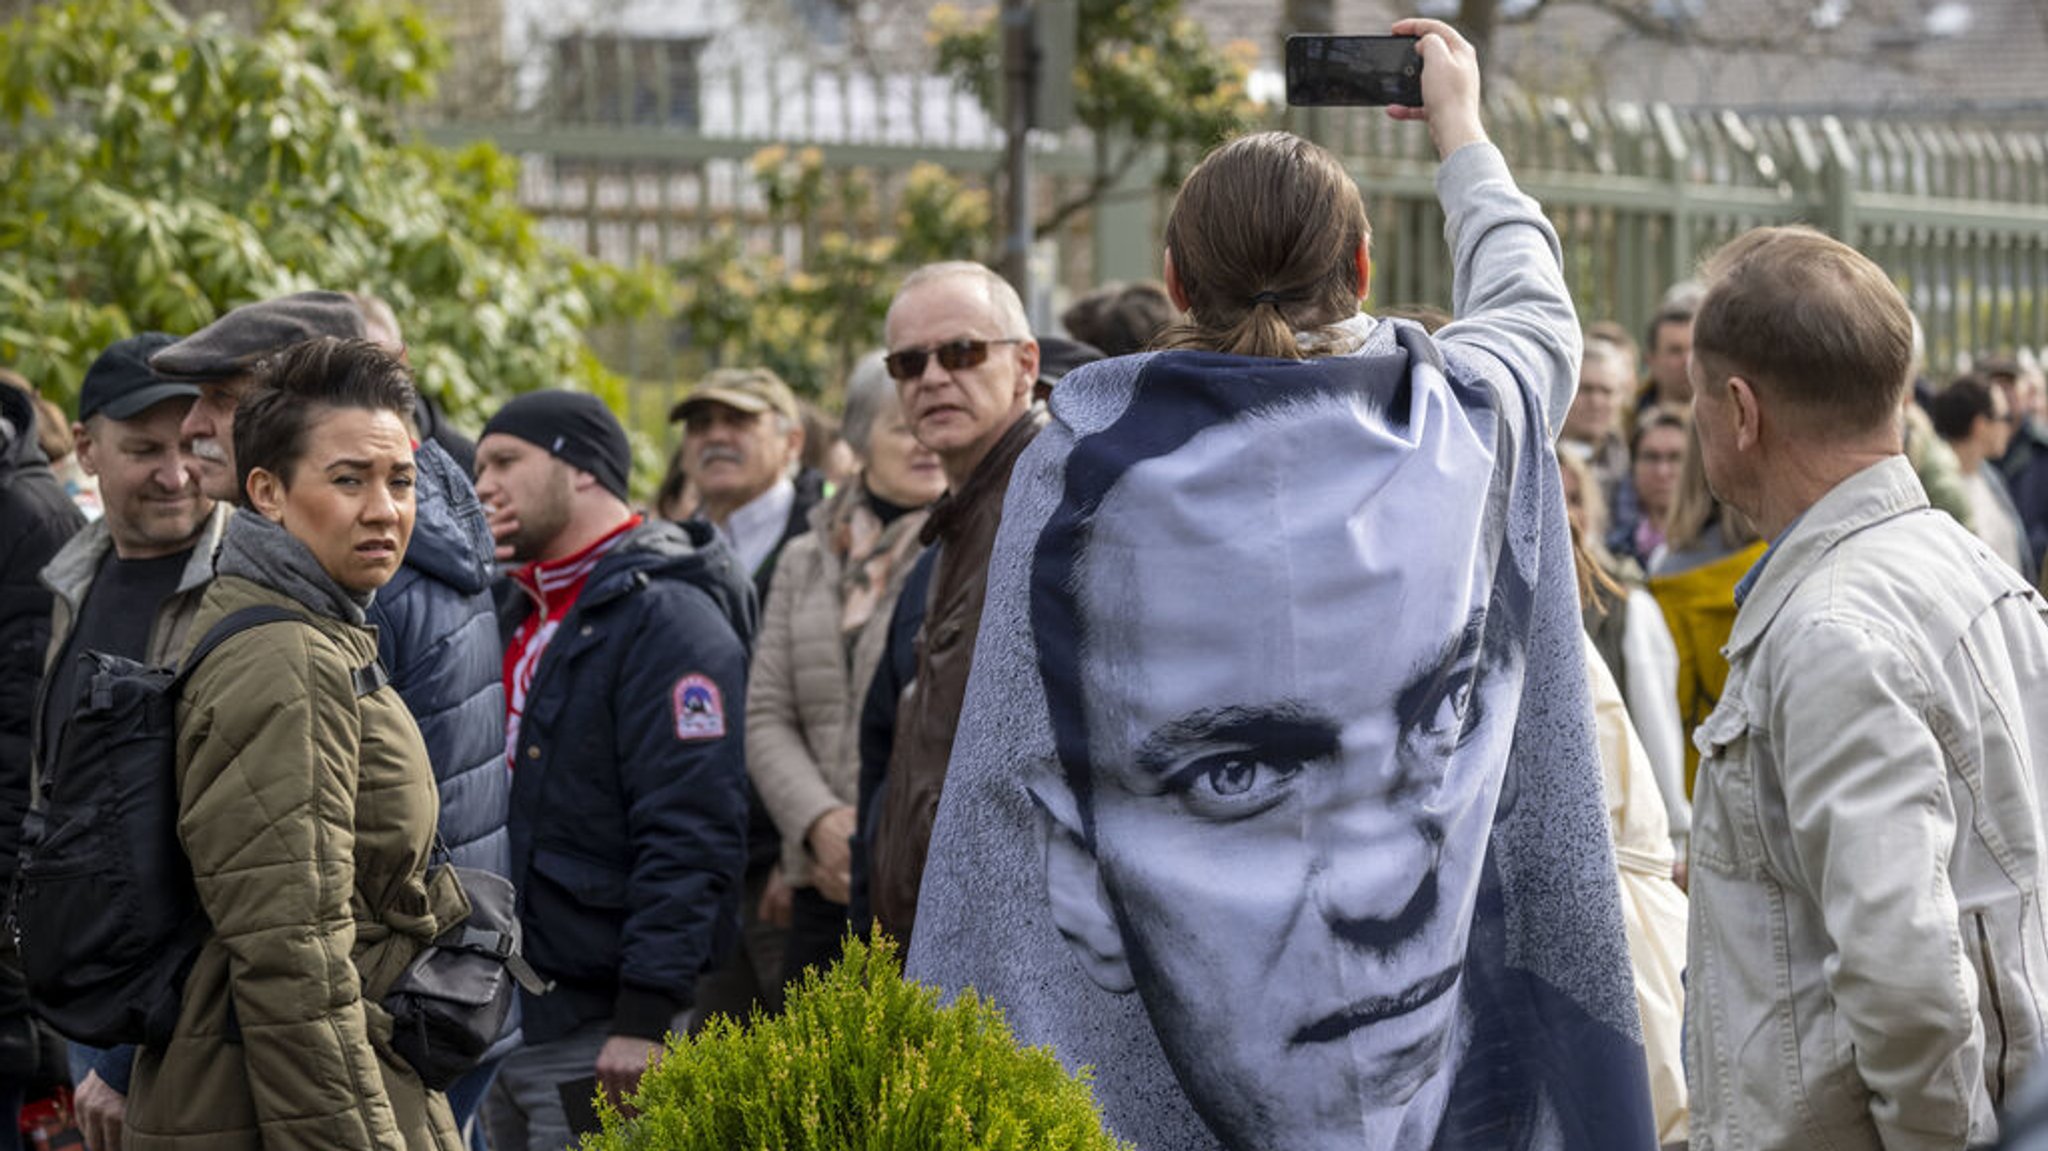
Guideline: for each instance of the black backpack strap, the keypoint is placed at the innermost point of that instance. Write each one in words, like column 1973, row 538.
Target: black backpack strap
column 367, row 680
column 233, row 625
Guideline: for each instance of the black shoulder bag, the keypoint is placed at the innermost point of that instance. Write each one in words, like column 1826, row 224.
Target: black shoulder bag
column 452, row 1001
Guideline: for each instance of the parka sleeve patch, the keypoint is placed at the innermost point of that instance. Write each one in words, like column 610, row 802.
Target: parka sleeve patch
column 699, row 709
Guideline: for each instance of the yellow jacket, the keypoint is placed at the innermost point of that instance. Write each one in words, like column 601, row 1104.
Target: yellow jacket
column 1699, row 605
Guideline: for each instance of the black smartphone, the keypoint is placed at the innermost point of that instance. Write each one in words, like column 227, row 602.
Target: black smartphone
column 1353, row 70
column 579, row 1106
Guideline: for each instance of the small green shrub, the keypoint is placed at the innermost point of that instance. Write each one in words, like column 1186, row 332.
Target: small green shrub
column 859, row 1058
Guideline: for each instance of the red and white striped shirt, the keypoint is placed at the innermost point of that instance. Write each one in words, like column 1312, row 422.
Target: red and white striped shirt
column 554, row 588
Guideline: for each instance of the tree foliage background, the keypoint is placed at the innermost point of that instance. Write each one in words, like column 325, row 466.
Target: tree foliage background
column 162, row 170
column 810, row 321
column 1145, row 76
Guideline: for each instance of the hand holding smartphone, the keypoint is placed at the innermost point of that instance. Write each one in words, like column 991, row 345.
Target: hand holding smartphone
column 1353, row 71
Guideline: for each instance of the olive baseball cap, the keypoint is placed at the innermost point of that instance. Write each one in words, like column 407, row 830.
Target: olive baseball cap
column 750, row 390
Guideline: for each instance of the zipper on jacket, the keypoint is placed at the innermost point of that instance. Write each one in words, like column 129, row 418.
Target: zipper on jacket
column 1997, row 1007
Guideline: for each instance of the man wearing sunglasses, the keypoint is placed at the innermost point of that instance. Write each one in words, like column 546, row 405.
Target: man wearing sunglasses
column 964, row 361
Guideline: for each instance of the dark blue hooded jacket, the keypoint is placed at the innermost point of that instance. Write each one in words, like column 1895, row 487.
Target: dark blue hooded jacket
column 437, row 634
column 629, row 783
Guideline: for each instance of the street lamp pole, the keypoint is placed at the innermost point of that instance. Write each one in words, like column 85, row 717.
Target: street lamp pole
column 1019, row 69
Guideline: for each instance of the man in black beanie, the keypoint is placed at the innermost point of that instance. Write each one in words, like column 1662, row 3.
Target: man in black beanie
column 625, row 684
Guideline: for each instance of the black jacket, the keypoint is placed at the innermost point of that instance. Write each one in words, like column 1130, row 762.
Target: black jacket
column 2025, row 468
column 437, row 634
column 629, row 783
column 36, row 517
column 878, row 724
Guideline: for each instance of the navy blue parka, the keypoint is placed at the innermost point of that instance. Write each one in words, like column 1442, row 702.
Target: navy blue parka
column 437, row 634
column 629, row 783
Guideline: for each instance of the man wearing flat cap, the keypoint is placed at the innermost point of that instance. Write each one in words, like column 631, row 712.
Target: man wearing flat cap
column 220, row 358
column 625, row 682
column 742, row 438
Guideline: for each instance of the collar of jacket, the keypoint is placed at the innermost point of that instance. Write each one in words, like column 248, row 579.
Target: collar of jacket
column 451, row 537
column 70, row 572
column 1883, row 491
column 265, row 554
column 651, row 547
column 544, row 581
column 992, row 474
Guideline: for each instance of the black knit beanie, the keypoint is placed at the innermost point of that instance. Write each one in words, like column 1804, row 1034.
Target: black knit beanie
column 574, row 427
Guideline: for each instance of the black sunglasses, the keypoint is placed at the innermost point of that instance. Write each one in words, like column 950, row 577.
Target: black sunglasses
column 954, row 356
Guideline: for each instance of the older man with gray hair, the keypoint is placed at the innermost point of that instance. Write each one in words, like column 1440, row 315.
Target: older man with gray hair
column 824, row 633
column 742, row 438
column 965, row 361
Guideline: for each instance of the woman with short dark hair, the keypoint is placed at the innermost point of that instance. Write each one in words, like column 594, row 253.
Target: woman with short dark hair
column 306, row 803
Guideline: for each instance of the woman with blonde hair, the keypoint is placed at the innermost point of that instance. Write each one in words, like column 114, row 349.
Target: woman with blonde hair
column 1628, row 632
column 1653, row 907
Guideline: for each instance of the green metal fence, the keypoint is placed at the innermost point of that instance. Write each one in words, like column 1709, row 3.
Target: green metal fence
column 1958, row 213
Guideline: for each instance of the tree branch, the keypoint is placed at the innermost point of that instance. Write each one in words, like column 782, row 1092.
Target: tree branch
column 1101, row 182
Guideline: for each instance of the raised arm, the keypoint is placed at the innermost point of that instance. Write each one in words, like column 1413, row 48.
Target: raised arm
column 1507, row 284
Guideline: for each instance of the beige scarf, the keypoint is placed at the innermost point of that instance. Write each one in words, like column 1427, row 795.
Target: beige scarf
column 871, row 554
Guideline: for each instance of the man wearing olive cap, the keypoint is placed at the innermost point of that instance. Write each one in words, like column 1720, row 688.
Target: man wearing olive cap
column 742, row 438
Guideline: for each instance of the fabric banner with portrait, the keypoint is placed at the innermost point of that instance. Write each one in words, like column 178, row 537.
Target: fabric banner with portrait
column 1276, row 799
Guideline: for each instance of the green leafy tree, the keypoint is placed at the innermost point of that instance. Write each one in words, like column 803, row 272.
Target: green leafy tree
column 163, row 170
column 809, row 322
column 1145, row 76
column 859, row 1059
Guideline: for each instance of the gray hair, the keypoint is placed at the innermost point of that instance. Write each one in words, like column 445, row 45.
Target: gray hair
column 869, row 392
column 1002, row 298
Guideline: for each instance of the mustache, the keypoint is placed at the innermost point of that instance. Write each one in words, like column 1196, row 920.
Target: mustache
column 209, row 449
column 720, row 453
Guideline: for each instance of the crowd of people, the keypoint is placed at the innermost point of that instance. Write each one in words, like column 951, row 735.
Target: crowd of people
column 1469, row 730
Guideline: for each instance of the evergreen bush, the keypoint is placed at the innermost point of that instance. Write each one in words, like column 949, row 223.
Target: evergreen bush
column 859, row 1059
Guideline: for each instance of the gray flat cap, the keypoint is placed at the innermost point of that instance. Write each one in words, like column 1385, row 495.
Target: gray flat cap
column 237, row 342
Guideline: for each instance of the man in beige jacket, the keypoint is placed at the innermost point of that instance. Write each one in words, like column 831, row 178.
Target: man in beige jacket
column 1867, row 947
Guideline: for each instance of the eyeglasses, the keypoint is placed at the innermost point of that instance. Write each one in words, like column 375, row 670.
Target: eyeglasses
column 954, row 356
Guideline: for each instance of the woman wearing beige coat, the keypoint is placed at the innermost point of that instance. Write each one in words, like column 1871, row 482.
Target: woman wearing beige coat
column 822, row 635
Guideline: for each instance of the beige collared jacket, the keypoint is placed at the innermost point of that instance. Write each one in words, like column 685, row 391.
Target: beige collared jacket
column 1868, row 966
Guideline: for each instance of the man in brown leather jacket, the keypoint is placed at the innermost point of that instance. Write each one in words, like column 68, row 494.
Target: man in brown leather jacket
column 964, row 361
